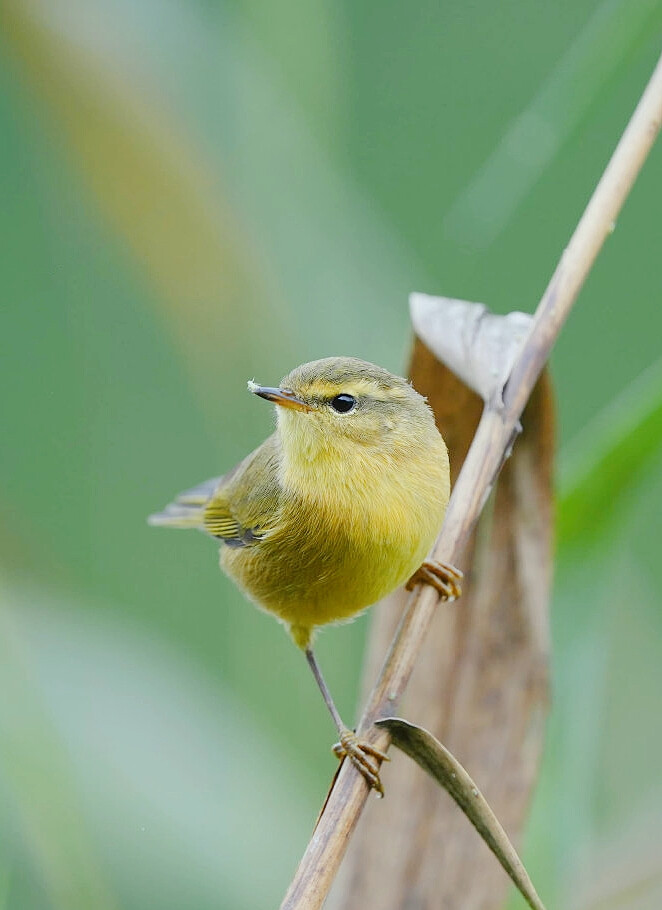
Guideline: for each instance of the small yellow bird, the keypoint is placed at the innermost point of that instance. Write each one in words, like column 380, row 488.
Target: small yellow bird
column 339, row 506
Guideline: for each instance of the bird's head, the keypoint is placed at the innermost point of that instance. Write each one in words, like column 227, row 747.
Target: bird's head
column 332, row 406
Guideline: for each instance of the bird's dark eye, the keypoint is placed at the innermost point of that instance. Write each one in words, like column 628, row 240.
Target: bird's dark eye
column 343, row 403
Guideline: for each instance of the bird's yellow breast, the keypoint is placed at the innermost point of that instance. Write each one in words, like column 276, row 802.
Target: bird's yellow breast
column 354, row 525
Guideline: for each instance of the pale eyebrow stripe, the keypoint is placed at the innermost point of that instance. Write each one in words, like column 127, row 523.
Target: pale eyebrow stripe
column 357, row 388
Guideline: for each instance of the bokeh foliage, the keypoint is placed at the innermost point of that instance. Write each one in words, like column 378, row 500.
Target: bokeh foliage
column 195, row 193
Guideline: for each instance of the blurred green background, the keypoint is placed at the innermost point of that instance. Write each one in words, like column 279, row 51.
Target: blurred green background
column 197, row 192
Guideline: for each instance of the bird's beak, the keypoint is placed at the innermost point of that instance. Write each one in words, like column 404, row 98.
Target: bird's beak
column 283, row 397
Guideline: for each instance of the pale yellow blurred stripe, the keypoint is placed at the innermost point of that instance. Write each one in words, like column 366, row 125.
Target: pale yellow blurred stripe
column 152, row 183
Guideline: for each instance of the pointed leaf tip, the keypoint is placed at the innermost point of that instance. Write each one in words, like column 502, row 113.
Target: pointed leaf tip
column 440, row 764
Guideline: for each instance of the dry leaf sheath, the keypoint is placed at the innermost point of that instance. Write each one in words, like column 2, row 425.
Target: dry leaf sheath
column 480, row 684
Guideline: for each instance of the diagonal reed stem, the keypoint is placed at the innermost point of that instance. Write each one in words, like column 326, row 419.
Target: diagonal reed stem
column 494, row 436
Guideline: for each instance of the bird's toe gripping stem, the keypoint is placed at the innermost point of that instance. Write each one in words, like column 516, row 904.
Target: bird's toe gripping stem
column 444, row 578
column 360, row 754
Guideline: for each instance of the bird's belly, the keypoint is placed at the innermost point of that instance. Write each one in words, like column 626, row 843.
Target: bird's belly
column 309, row 579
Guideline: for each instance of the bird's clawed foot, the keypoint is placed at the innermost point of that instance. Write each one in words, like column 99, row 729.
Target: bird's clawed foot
column 445, row 579
column 360, row 754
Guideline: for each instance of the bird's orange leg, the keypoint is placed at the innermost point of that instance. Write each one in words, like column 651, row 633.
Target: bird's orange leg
column 445, row 579
column 362, row 755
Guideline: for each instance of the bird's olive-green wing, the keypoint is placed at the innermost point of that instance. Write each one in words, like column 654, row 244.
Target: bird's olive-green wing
column 237, row 508
column 245, row 503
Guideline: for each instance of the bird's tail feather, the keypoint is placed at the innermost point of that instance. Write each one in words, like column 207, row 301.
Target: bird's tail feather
column 188, row 509
column 178, row 515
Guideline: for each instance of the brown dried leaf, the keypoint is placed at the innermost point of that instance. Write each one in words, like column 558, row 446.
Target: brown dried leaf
column 480, row 684
column 479, row 346
column 442, row 765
